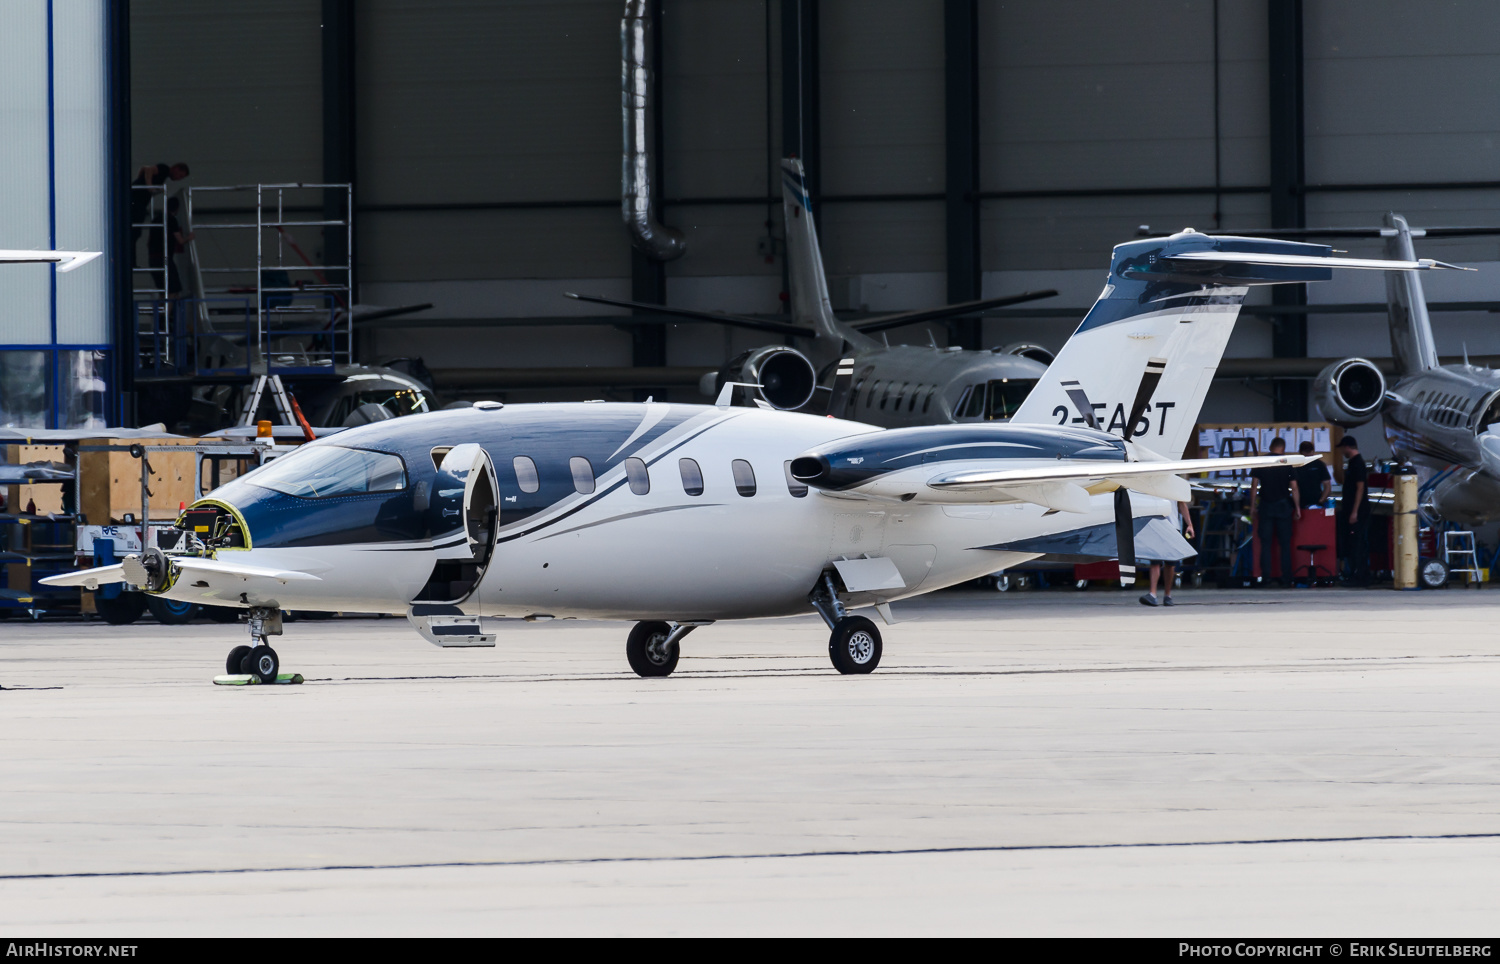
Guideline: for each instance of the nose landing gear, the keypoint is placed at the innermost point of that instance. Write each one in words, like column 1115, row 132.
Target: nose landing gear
column 258, row 659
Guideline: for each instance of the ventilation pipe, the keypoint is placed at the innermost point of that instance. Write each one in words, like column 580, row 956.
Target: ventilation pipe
column 653, row 239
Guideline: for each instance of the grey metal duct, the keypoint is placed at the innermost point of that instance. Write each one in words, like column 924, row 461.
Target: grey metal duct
column 652, row 238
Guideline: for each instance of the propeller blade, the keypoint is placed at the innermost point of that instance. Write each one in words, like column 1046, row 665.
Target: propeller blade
column 1080, row 401
column 1125, row 537
column 1143, row 393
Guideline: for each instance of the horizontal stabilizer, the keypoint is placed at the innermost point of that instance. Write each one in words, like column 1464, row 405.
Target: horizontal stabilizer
column 65, row 260
column 89, row 579
column 199, row 564
column 1099, row 471
column 1311, row 261
column 1156, row 539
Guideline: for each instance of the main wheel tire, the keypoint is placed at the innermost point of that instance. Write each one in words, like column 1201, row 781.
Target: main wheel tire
column 1002, row 583
column 122, row 610
column 263, row 663
column 222, row 614
column 235, row 664
column 647, row 650
column 1432, row 573
column 854, row 646
column 172, row 612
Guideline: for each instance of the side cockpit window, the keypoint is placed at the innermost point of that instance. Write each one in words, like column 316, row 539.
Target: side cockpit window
column 526, row 476
column 323, row 471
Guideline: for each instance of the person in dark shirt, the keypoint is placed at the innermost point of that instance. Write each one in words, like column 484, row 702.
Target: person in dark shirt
column 152, row 175
column 1273, row 512
column 1314, row 485
column 1354, row 515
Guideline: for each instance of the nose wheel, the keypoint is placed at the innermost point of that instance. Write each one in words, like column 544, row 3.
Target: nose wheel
column 258, row 659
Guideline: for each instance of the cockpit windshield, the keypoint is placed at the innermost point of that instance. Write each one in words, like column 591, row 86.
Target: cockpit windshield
column 1489, row 415
column 1006, row 395
column 320, row 471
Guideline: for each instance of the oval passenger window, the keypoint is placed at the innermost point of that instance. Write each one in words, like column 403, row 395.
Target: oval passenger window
column 744, row 477
column 797, row 489
column 637, row 476
column 583, row 474
column 526, row 476
column 692, row 476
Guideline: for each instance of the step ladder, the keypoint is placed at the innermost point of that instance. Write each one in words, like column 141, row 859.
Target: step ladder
column 278, row 395
column 1460, row 556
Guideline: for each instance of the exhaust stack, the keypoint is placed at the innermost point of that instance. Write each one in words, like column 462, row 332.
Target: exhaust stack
column 653, row 239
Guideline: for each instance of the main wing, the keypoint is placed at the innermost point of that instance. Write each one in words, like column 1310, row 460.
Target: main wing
column 65, row 260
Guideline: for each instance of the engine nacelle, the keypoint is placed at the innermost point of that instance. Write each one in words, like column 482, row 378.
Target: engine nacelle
column 786, row 378
column 1349, row 392
column 1027, row 350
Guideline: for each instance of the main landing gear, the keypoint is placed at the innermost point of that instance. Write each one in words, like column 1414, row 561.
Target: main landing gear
column 652, row 646
column 258, row 659
column 854, row 642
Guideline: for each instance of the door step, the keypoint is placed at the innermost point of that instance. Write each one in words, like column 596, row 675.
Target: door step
column 447, row 626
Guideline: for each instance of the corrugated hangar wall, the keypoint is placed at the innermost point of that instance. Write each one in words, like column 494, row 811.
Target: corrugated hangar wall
column 489, row 139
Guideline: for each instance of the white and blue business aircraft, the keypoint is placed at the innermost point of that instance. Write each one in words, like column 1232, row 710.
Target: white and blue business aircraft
column 676, row 516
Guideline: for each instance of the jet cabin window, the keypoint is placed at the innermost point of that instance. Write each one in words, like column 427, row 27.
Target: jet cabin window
column 692, row 476
column 321, row 471
column 637, row 476
column 744, row 478
column 797, row 489
column 583, row 474
column 526, row 476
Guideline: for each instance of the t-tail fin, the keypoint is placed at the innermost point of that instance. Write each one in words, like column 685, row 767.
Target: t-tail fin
column 809, row 294
column 1406, row 305
column 1166, row 312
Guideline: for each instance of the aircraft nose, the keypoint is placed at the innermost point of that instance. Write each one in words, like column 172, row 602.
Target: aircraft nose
column 1489, row 448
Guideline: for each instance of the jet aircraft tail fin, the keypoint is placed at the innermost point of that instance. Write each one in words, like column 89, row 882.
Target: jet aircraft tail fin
column 1412, row 345
column 809, row 283
column 1165, row 315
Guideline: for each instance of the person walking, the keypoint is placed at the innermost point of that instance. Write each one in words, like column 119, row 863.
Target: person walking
column 1278, row 505
column 1167, row 567
column 1314, row 484
column 1354, row 515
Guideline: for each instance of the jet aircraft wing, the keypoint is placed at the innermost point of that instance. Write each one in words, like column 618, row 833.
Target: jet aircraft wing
column 1098, row 471
column 883, row 322
column 102, row 575
column 719, row 317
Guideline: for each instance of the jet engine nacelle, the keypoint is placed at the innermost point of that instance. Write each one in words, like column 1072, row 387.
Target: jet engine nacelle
column 785, row 376
column 1349, row 392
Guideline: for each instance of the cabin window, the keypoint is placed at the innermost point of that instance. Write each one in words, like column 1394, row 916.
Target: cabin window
column 887, row 396
column 321, row 471
column 911, row 406
column 637, row 476
column 583, row 474
column 692, row 476
column 744, row 477
column 870, row 398
column 900, row 395
column 797, row 489
column 927, row 402
column 526, row 476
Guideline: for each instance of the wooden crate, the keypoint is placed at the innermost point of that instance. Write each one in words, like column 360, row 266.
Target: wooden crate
column 110, row 482
column 47, row 496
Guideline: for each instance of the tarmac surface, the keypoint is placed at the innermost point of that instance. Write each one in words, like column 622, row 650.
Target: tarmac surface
column 1278, row 763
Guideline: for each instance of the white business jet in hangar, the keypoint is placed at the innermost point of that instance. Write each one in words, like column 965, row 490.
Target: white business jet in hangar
column 676, row 516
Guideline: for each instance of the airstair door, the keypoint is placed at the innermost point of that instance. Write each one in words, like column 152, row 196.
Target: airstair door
column 466, row 491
